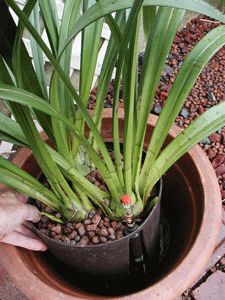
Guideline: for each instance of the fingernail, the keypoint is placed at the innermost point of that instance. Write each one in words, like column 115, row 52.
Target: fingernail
column 44, row 248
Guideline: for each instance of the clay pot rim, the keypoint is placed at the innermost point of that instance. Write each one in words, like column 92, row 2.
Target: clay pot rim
column 196, row 258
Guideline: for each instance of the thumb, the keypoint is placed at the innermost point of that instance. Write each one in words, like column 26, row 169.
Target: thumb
column 32, row 213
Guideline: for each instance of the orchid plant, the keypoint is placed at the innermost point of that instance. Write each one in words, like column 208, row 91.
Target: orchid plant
column 62, row 110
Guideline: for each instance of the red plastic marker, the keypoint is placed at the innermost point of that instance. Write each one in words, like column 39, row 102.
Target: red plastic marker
column 126, row 199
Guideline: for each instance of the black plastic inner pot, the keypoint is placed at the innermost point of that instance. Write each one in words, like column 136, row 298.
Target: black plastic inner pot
column 182, row 209
column 115, row 265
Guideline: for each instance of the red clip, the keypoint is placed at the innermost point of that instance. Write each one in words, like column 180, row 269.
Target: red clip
column 126, row 199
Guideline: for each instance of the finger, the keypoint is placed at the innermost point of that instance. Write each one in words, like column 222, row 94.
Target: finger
column 10, row 195
column 18, row 239
column 21, row 197
column 11, row 216
column 33, row 214
column 25, row 231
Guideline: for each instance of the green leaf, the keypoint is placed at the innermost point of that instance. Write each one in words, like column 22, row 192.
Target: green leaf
column 114, row 28
column 190, row 70
column 106, row 72
column 206, row 124
column 70, row 14
column 51, row 217
column 12, row 129
column 163, row 31
column 129, row 30
column 148, row 18
column 107, row 7
column 130, row 96
column 59, row 129
column 37, row 53
column 24, row 71
column 20, row 96
column 60, row 97
column 50, row 18
column 22, row 181
column 76, row 176
column 71, row 89
column 91, row 42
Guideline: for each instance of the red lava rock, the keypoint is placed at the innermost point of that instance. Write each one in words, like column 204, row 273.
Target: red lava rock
column 91, row 227
column 163, row 95
column 223, row 138
column 95, row 240
column 211, row 153
column 72, row 235
column 112, row 237
column 84, row 241
column 103, row 239
column 101, row 224
column 201, row 110
column 220, row 170
column 57, row 229
column 114, row 225
column 223, row 194
column 87, row 221
column 103, row 232
column 96, row 219
column 119, row 234
column 120, row 225
column 66, row 240
column 91, row 234
column 107, row 224
column 81, row 231
column 215, row 137
column 67, row 230
column 220, row 158
column 111, row 231
column 78, row 225
column 77, row 238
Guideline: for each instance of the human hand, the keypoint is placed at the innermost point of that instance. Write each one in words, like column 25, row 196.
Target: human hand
column 13, row 216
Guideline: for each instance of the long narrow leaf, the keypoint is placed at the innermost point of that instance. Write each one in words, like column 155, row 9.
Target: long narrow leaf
column 202, row 127
column 19, row 96
column 25, row 179
column 129, row 30
column 148, row 18
column 37, row 53
column 185, row 79
column 109, row 6
column 130, row 95
column 72, row 90
column 11, row 128
column 160, row 40
column 50, row 18
column 91, row 41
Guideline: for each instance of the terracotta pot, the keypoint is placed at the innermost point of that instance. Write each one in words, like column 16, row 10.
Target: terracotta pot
column 192, row 209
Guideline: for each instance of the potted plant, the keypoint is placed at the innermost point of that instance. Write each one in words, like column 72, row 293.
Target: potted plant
column 127, row 174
